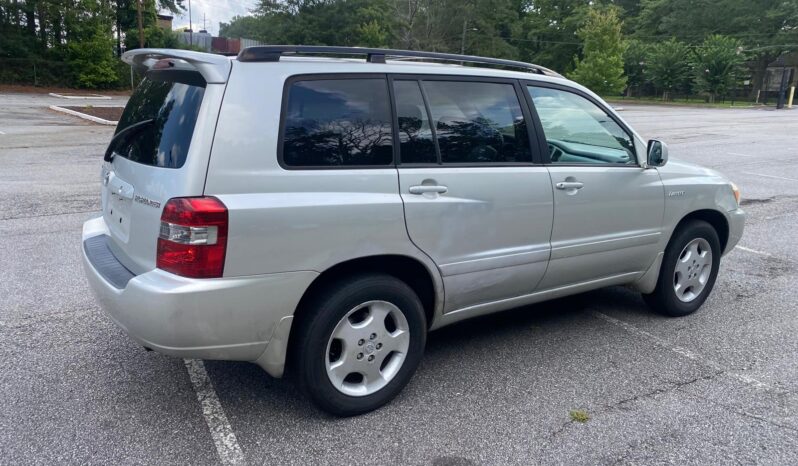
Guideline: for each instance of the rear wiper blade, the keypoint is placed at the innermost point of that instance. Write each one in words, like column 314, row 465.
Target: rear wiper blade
column 129, row 131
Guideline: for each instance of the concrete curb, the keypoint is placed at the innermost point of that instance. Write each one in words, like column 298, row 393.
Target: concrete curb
column 85, row 116
column 81, row 97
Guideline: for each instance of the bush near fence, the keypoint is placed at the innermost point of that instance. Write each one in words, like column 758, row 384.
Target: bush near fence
column 48, row 73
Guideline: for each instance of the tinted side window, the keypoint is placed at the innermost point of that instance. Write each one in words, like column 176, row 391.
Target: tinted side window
column 415, row 134
column 338, row 122
column 578, row 131
column 478, row 122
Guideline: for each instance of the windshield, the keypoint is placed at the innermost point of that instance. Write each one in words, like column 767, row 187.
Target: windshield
column 171, row 99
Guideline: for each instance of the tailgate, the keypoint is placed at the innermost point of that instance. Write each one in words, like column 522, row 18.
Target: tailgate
column 160, row 150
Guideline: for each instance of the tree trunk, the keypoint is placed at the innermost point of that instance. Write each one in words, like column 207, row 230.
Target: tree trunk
column 462, row 40
column 16, row 12
column 42, row 25
column 141, row 28
column 30, row 18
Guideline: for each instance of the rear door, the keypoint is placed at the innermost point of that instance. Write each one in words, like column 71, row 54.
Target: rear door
column 477, row 200
column 608, row 209
column 159, row 150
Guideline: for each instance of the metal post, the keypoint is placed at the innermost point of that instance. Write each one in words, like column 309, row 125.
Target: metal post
column 783, row 84
column 792, row 94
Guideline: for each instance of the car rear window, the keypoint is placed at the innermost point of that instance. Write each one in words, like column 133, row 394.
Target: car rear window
column 338, row 122
column 171, row 100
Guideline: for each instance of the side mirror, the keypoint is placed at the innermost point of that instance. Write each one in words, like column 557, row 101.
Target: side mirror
column 657, row 153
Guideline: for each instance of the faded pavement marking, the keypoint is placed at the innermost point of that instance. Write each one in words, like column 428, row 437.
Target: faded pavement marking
column 223, row 436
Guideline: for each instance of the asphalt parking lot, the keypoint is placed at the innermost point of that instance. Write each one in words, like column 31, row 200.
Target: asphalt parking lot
column 717, row 387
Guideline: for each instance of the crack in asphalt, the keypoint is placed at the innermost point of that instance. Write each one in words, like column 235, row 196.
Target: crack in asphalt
column 50, row 215
column 603, row 409
column 19, row 324
column 673, row 386
column 747, row 414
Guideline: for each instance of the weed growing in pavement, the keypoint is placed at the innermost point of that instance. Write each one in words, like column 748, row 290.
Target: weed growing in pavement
column 579, row 415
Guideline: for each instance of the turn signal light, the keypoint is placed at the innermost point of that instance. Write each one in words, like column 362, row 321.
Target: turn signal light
column 193, row 238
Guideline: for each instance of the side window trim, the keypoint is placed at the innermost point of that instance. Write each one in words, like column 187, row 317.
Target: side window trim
column 537, row 140
column 432, row 126
column 290, row 80
column 392, row 78
column 542, row 135
column 532, row 130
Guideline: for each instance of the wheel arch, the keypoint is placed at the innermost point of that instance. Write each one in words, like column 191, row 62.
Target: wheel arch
column 715, row 218
column 410, row 270
column 648, row 281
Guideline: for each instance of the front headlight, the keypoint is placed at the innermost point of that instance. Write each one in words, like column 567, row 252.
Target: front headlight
column 736, row 192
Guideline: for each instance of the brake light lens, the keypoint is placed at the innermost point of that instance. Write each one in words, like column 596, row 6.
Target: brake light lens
column 193, row 238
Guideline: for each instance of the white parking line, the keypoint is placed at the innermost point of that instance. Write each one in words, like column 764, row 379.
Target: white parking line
column 681, row 351
column 743, row 248
column 772, row 176
column 223, row 436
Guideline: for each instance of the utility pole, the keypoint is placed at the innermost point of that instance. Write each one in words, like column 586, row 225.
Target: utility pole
column 141, row 26
column 190, row 26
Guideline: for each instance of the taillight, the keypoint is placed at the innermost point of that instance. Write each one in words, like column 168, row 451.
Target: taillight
column 193, row 237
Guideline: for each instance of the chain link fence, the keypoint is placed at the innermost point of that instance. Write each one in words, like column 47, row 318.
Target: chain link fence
column 49, row 73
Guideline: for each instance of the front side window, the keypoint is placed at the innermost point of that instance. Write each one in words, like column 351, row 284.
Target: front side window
column 338, row 122
column 578, row 131
column 477, row 122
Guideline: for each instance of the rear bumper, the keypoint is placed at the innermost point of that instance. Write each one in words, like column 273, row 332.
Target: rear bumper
column 228, row 318
column 736, row 226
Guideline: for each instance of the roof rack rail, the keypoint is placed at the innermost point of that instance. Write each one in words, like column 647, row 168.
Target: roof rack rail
column 272, row 53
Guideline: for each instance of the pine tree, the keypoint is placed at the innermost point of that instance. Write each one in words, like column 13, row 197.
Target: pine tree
column 601, row 66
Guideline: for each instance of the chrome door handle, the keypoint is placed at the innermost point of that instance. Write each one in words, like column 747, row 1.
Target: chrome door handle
column 423, row 188
column 569, row 185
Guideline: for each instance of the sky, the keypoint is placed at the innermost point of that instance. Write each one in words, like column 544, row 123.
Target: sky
column 216, row 11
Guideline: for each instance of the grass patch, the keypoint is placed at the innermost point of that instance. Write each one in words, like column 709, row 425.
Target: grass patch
column 579, row 415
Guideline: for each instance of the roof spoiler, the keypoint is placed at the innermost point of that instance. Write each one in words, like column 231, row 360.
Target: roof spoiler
column 214, row 68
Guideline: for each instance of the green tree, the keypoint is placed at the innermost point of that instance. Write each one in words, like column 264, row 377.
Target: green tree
column 601, row 66
column 250, row 27
column 548, row 34
column 766, row 28
column 634, row 62
column 668, row 66
column 716, row 66
column 92, row 60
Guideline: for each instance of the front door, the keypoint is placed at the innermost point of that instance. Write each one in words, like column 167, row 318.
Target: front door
column 608, row 209
column 475, row 199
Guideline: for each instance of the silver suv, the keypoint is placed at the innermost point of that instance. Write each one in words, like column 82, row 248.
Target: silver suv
column 300, row 210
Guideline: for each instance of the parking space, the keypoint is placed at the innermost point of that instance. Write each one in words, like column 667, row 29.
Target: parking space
column 715, row 387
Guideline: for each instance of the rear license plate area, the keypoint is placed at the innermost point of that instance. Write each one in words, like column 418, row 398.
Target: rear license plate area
column 117, row 210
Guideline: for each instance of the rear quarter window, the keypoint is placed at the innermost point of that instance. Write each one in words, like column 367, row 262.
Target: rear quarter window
column 337, row 123
column 171, row 99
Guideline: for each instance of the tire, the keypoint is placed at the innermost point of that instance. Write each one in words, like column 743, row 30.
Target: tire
column 379, row 324
column 691, row 293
